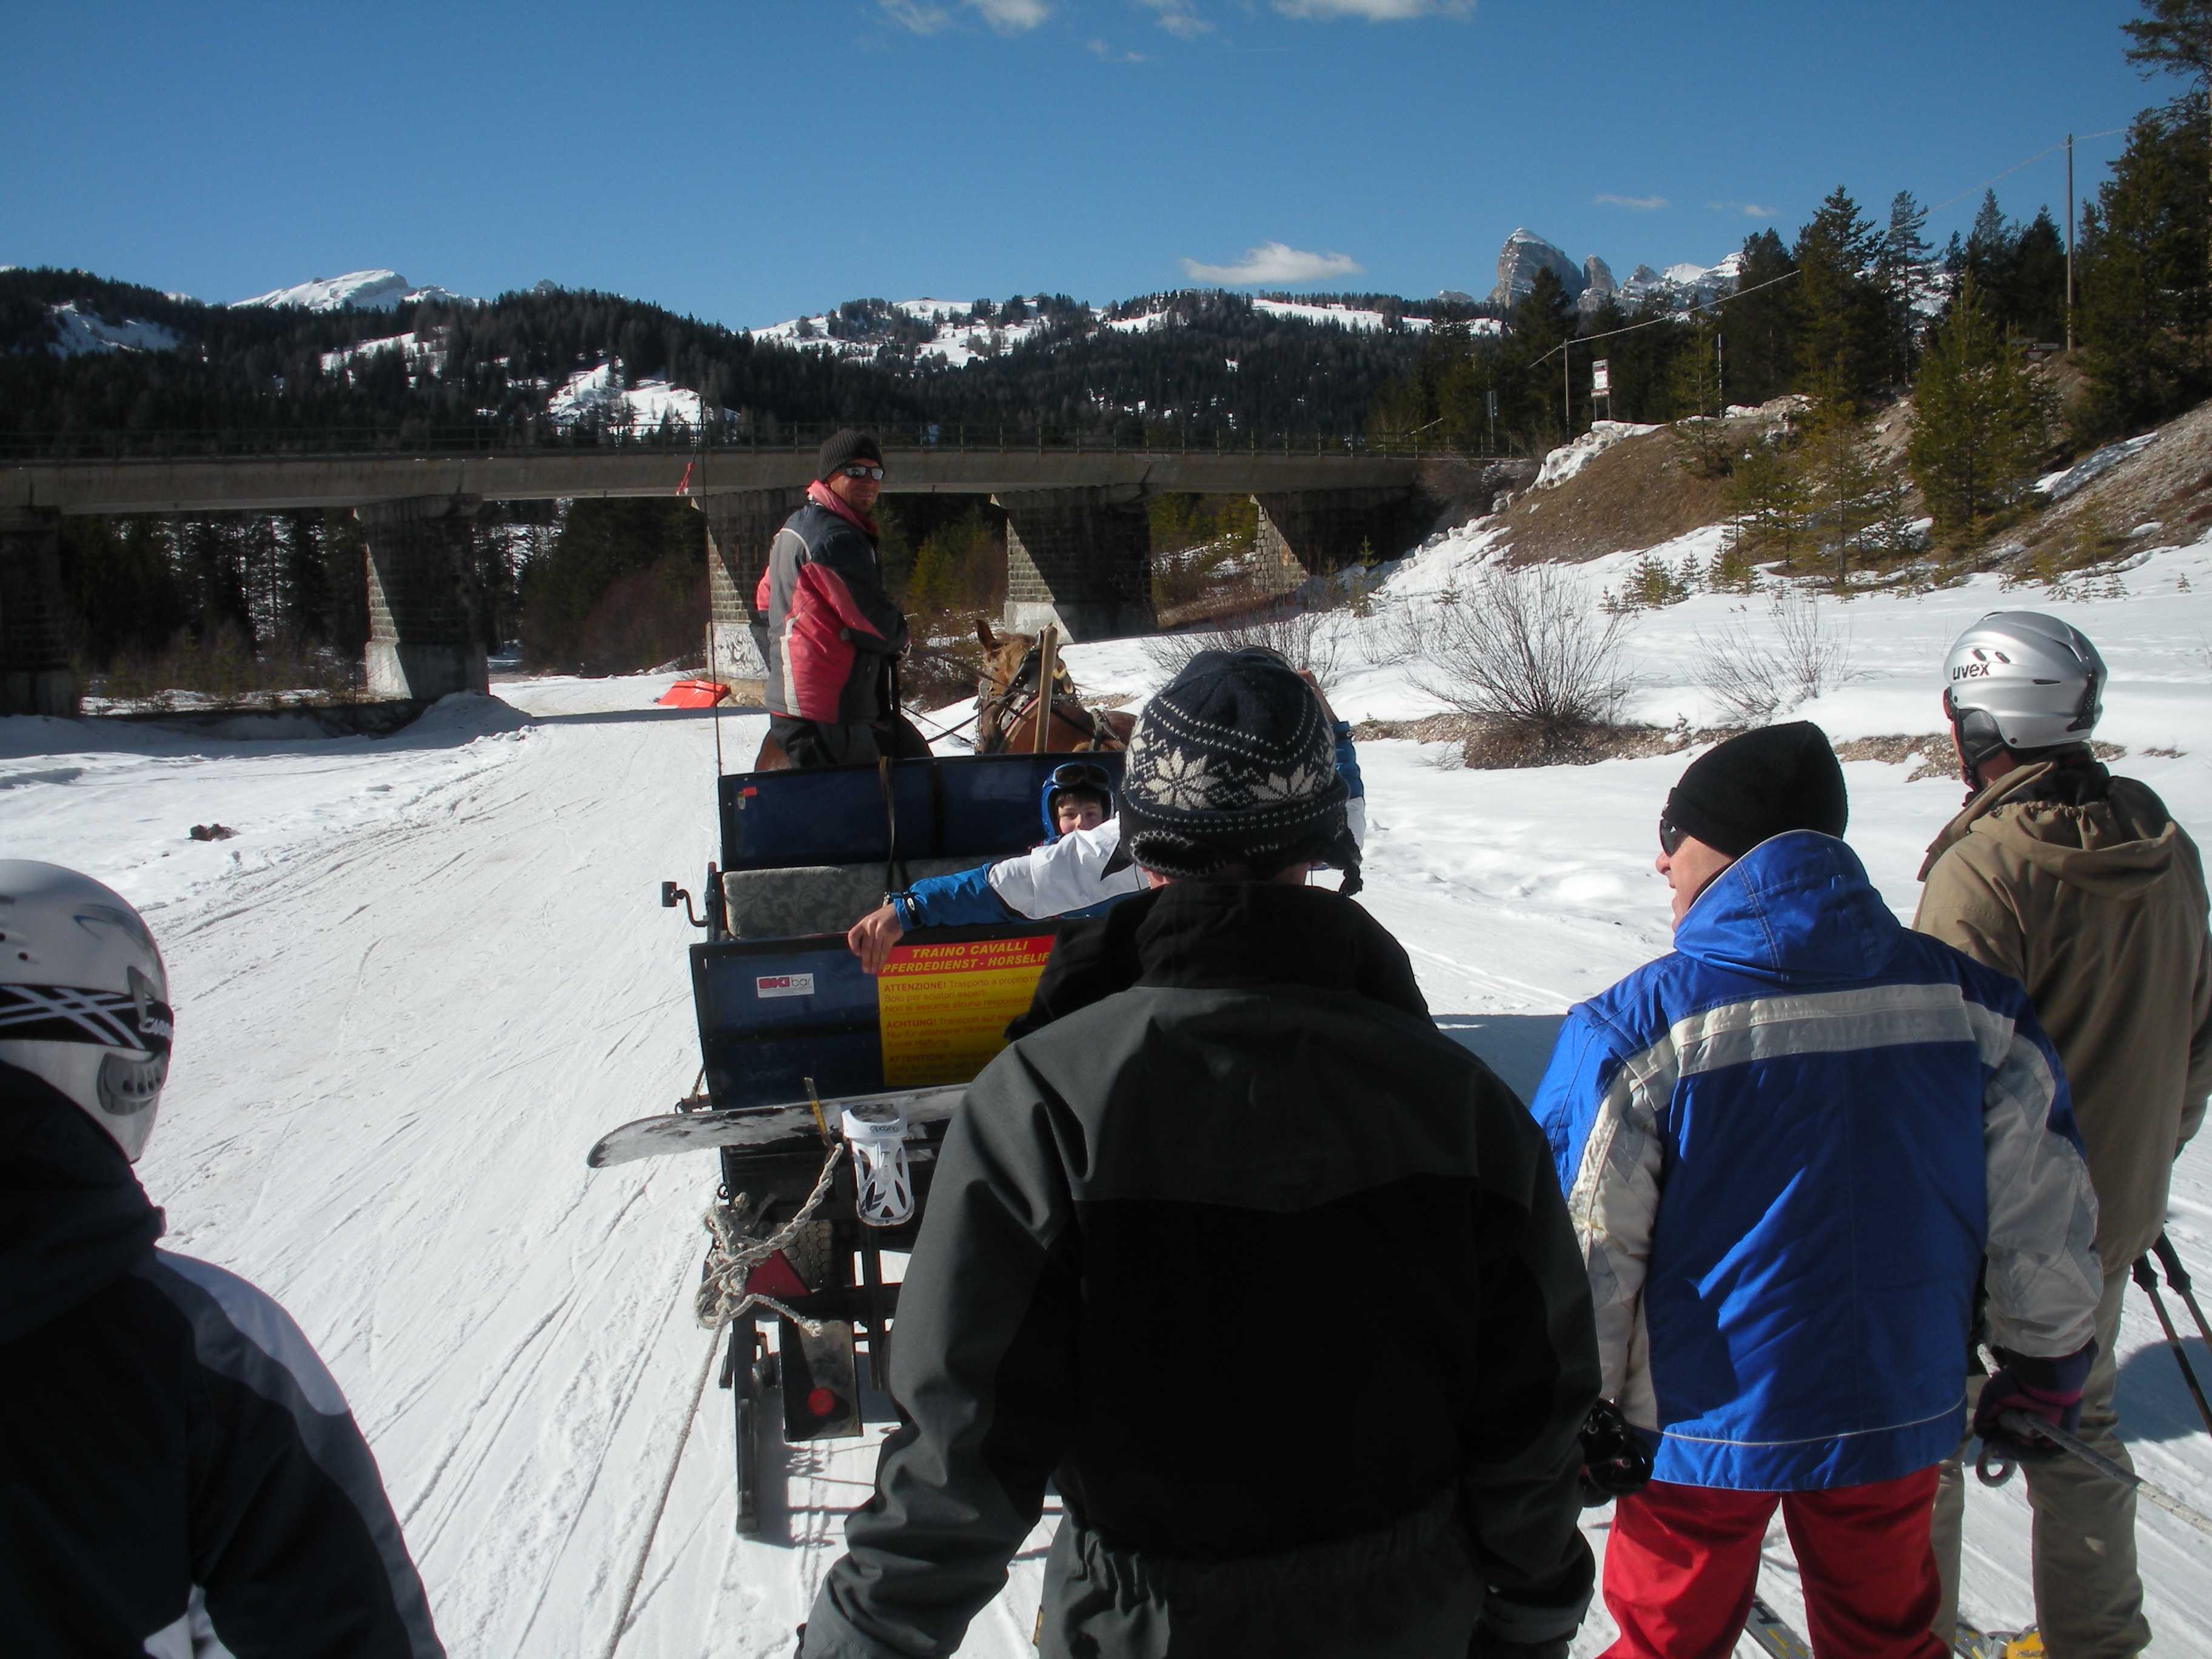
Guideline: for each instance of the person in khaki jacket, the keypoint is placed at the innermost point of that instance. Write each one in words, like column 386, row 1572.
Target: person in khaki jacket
column 2081, row 886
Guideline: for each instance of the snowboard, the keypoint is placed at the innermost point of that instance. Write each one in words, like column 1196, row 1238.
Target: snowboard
column 790, row 1126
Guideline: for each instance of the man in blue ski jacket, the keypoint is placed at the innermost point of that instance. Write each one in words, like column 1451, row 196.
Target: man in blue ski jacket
column 1073, row 871
column 1788, row 1149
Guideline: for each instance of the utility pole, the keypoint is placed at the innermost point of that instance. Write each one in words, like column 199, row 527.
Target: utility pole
column 1567, row 386
column 1720, row 375
column 2070, row 245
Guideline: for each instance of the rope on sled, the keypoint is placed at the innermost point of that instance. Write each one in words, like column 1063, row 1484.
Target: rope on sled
column 731, row 1258
column 722, row 1298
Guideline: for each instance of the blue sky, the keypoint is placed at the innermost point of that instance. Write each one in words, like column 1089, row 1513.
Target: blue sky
column 751, row 160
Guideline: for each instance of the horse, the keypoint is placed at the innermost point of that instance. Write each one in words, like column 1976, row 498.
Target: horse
column 1008, row 706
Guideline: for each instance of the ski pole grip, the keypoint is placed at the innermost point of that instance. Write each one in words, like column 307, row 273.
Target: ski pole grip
column 2170, row 1258
column 2143, row 1275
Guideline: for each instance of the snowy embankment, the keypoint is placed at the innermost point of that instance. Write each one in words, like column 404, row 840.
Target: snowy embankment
column 429, row 972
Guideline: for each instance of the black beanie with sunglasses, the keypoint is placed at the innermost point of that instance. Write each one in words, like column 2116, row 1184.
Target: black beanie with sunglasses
column 842, row 448
column 1760, row 785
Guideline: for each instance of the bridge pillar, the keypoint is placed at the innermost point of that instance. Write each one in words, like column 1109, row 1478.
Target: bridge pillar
column 1313, row 532
column 740, row 525
column 1082, row 558
column 425, row 639
column 36, row 676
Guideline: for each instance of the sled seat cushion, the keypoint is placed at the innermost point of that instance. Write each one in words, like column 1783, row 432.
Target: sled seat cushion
column 818, row 898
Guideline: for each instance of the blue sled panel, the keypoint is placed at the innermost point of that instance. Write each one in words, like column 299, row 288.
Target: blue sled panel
column 978, row 806
column 775, row 1013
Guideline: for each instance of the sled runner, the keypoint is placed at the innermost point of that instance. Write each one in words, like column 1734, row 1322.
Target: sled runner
column 823, row 1092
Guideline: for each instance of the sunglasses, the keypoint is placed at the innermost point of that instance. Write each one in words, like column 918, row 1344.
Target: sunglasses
column 1671, row 836
column 857, row 470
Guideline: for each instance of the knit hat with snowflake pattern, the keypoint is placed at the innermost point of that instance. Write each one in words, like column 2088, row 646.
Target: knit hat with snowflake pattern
column 1233, row 764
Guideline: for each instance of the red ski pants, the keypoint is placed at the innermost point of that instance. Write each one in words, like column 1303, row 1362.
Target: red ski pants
column 1682, row 1563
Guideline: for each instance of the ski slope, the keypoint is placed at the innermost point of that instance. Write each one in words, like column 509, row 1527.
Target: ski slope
column 429, row 971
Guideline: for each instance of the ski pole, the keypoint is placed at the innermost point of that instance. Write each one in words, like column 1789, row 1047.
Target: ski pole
column 2178, row 1281
column 2022, row 1426
column 2143, row 1275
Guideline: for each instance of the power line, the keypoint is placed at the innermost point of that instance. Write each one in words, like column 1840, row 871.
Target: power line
column 1589, row 339
column 1951, row 201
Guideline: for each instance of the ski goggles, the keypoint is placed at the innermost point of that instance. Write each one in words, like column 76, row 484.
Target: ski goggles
column 132, row 1020
column 1082, row 775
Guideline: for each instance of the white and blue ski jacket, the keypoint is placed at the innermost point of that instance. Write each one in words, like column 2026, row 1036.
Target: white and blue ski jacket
column 1066, row 875
column 1788, row 1147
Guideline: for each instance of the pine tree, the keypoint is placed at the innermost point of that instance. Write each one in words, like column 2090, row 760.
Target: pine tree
column 1767, row 506
column 2142, row 313
column 2175, row 37
column 1700, row 435
column 1842, row 338
column 1758, row 325
column 1980, row 418
column 1901, row 270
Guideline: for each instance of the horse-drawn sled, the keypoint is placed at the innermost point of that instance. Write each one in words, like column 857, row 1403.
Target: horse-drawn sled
column 826, row 1092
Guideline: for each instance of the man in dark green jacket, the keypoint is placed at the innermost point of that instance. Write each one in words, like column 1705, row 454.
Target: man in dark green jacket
column 1270, row 1278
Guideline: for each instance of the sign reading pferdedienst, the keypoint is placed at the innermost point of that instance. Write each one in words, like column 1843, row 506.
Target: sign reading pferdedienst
column 942, row 1009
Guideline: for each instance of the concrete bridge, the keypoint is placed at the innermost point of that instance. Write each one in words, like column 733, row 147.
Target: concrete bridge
column 1078, row 549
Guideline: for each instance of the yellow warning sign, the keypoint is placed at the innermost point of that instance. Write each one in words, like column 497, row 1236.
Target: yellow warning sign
column 943, row 1009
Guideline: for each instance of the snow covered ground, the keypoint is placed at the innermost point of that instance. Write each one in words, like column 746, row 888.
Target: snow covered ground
column 430, row 970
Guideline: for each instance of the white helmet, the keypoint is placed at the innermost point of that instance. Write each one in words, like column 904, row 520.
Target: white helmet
column 2022, row 681
column 84, row 1000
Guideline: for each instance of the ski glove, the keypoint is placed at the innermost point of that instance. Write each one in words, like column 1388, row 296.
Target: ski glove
column 1615, row 1460
column 2047, row 1389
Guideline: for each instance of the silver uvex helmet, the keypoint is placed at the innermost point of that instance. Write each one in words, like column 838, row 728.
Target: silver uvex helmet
column 2022, row 681
column 84, row 1000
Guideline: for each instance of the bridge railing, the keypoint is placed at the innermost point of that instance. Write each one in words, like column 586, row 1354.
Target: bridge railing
column 526, row 436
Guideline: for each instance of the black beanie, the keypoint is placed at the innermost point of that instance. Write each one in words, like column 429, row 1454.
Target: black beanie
column 845, row 446
column 1763, row 783
column 1232, row 763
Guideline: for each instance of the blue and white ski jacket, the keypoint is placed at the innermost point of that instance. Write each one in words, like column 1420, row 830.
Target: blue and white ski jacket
column 1066, row 875
column 1787, row 1148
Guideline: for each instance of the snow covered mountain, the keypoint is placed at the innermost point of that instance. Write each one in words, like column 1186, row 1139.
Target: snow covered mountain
column 77, row 331
column 1681, row 286
column 959, row 331
column 363, row 291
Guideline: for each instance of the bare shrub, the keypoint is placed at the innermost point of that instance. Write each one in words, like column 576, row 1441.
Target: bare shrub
column 1303, row 628
column 223, row 670
column 1800, row 654
column 1527, row 647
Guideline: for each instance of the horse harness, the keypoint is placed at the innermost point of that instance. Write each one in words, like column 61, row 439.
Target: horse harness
column 997, row 712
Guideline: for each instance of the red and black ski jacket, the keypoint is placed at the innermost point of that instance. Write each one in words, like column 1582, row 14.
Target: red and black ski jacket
column 178, row 1473
column 830, row 625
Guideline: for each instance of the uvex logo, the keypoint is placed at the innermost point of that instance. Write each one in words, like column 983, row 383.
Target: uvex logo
column 1971, row 670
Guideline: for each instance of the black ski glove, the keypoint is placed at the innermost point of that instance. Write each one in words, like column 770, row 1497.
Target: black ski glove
column 1616, row 1461
column 2050, row 1390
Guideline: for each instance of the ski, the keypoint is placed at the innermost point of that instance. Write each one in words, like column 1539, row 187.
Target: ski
column 1773, row 1634
column 761, row 1128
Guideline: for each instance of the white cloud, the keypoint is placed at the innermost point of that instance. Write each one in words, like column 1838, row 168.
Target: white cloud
column 1375, row 11
column 1011, row 16
column 1272, row 262
column 1176, row 17
column 908, row 14
column 1640, row 203
column 1749, row 209
column 1113, row 55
